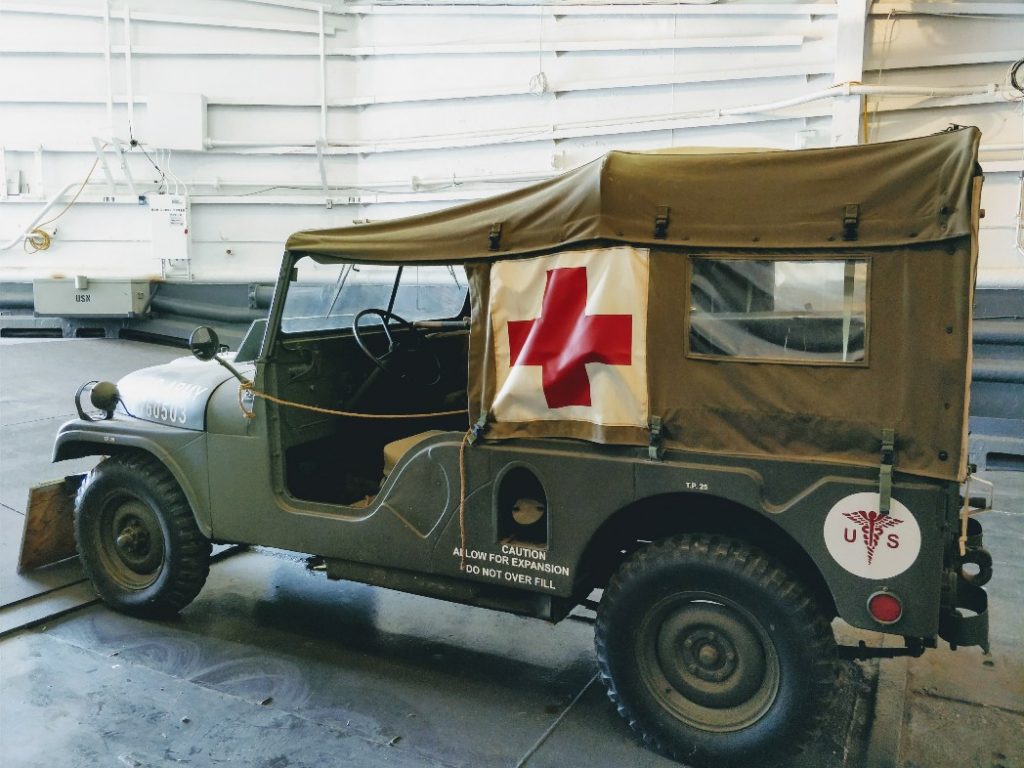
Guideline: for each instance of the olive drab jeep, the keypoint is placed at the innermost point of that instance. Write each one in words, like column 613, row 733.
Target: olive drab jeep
column 721, row 398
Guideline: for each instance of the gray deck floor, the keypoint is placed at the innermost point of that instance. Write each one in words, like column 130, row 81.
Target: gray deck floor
column 275, row 666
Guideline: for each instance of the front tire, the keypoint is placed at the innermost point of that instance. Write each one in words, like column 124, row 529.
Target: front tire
column 714, row 653
column 137, row 537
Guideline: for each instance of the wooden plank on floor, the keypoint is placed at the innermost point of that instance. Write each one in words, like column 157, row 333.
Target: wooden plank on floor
column 49, row 533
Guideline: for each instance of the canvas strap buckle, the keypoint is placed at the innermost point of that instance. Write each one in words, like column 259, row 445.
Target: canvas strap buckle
column 661, row 222
column 654, row 448
column 494, row 237
column 851, row 221
column 888, row 458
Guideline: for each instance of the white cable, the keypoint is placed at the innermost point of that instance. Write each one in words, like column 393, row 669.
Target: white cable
column 39, row 216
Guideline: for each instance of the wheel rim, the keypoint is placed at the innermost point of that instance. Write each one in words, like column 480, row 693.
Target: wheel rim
column 708, row 661
column 131, row 542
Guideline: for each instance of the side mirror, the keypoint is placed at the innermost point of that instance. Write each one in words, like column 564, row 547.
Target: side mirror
column 204, row 343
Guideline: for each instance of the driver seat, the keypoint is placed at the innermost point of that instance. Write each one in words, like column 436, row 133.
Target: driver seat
column 396, row 449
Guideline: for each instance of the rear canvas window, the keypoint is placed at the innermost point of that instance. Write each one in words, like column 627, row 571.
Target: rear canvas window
column 800, row 311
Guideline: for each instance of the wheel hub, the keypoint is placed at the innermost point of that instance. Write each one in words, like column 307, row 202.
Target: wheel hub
column 710, row 655
column 135, row 539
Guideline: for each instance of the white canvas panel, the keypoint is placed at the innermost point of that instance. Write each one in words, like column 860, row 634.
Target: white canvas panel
column 570, row 337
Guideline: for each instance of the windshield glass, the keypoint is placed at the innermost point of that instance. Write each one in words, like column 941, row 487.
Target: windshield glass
column 328, row 296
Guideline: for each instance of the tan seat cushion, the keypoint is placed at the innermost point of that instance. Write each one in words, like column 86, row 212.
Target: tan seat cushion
column 395, row 450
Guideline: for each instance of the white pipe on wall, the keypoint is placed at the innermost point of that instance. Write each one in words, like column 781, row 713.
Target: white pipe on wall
column 163, row 18
column 948, row 9
column 684, row 8
column 593, row 128
column 129, row 91
column 849, row 89
column 301, row 5
column 438, row 49
column 804, row 70
column 851, row 30
column 416, row 182
column 1018, row 233
column 273, row 148
column 323, row 78
column 106, row 66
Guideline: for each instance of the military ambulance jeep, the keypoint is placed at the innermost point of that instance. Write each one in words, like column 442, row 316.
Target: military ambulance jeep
column 727, row 390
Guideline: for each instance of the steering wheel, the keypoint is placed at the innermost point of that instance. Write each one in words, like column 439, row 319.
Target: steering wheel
column 408, row 358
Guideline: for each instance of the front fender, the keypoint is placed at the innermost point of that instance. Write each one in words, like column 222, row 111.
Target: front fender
column 182, row 451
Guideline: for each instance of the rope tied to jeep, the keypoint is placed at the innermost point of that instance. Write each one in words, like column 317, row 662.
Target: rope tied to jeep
column 248, row 386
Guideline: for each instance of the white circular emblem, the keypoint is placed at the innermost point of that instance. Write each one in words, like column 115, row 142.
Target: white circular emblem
column 869, row 544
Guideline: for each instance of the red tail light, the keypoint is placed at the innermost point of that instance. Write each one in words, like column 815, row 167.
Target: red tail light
column 885, row 607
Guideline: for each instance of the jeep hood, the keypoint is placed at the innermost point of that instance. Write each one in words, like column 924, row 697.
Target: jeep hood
column 174, row 393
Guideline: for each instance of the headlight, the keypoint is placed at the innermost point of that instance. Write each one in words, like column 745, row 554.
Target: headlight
column 103, row 395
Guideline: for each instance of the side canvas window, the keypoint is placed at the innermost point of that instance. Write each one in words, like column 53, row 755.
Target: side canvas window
column 798, row 311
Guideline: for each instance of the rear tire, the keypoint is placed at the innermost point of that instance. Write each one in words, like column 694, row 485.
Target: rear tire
column 137, row 537
column 714, row 653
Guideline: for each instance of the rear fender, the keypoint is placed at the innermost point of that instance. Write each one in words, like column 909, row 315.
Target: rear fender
column 182, row 451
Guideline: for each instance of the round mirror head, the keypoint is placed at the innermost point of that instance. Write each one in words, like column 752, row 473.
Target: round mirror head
column 204, row 343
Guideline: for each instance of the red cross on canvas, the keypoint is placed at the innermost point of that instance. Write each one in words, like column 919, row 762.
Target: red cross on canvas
column 564, row 339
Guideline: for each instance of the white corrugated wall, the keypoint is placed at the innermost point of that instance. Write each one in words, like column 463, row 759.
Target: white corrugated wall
column 279, row 115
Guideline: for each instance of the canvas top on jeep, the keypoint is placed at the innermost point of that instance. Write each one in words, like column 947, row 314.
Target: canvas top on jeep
column 747, row 278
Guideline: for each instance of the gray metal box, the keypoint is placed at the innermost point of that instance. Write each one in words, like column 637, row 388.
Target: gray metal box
column 104, row 297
